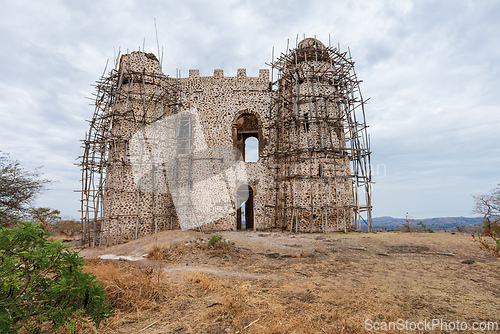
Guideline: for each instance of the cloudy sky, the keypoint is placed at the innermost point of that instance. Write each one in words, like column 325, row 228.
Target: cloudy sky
column 430, row 68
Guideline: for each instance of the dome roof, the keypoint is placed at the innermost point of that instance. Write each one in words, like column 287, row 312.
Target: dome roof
column 311, row 43
column 311, row 49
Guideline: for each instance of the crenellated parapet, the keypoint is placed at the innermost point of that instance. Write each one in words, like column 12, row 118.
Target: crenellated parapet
column 240, row 74
column 239, row 82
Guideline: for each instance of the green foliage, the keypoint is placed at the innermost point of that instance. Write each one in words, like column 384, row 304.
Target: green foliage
column 42, row 281
column 217, row 241
column 430, row 230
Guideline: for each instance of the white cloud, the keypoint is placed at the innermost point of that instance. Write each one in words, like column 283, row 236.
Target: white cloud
column 430, row 68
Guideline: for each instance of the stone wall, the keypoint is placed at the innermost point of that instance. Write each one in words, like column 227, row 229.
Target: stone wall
column 311, row 185
column 227, row 104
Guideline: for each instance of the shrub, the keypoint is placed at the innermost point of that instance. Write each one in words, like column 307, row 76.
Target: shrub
column 408, row 225
column 494, row 247
column 491, row 225
column 42, row 281
column 217, row 241
column 421, row 224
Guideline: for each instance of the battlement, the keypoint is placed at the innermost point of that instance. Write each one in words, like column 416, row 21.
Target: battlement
column 139, row 61
column 241, row 73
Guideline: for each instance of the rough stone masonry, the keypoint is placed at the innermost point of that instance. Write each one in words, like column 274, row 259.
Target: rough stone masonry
column 312, row 172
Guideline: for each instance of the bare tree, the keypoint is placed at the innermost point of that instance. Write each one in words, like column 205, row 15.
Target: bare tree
column 18, row 188
column 489, row 207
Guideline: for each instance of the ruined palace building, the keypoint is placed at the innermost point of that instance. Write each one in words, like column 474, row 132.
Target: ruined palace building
column 169, row 153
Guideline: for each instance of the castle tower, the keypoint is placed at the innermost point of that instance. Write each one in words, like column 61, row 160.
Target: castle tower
column 114, row 206
column 316, row 144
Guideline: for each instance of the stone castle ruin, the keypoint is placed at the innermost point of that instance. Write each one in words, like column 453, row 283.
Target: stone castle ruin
column 170, row 153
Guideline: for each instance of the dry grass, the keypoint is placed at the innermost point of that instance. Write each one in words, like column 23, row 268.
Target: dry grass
column 129, row 288
column 178, row 251
column 157, row 253
column 175, row 251
column 342, row 281
column 205, row 282
column 200, row 303
column 134, row 293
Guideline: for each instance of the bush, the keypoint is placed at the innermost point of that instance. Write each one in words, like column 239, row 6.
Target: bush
column 491, row 225
column 42, row 281
column 493, row 247
column 489, row 206
column 217, row 241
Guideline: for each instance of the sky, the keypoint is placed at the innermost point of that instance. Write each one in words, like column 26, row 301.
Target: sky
column 431, row 71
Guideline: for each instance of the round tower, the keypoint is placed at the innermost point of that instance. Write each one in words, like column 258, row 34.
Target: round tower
column 313, row 145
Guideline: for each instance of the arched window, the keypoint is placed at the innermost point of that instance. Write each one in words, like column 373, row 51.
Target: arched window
column 247, row 136
column 251, row 149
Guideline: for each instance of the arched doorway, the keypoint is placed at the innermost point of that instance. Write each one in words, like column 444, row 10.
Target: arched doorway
column 244, row 214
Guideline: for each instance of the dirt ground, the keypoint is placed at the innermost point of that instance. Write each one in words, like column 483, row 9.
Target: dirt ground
column 277, row 282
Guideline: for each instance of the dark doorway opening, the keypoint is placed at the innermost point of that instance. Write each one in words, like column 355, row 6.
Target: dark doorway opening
column 244, row 214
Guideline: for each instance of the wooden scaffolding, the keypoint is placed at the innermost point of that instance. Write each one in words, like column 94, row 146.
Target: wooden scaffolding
column 319, row 145
column 128, row 98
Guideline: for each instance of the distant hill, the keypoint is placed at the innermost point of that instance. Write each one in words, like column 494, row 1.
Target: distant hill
column 437, row 224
